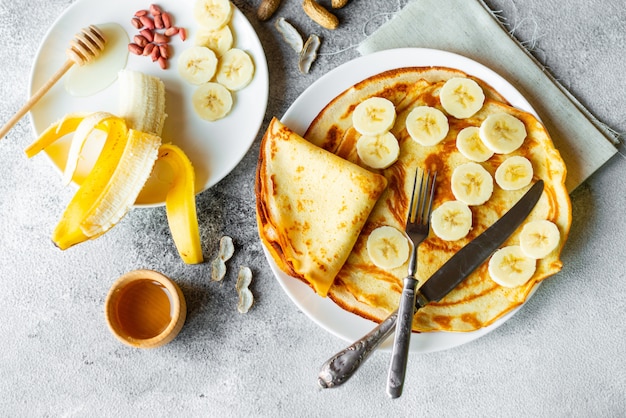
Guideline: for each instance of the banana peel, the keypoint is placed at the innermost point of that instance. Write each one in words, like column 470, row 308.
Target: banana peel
column 180, row 204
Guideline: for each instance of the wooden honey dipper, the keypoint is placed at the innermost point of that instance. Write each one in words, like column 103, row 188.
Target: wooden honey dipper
column 85, row 47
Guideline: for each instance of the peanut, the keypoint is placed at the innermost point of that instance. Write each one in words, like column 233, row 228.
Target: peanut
column 338, row 4
column 140, row 40
column 155, row 10
column 167, row 20
column 155, row 29
column 267, row 8
column 158, row 22
column 320, row 15
column 147, row 22
column 135, row 49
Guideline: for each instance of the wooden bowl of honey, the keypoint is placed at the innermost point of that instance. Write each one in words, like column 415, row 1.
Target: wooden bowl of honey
column 145, row 309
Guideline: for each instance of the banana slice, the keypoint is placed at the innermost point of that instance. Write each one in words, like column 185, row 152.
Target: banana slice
column 212, row 101
column 387, row 247
column 509, row 267
column 452, row 220
column 219, row 41
column 514, row 173
column 470, row 145
column 539, row 238
column 502, row 133
column 235, row 70
column 461, row 97
column 471, row 184
column 213, row 14
column 427, row 125
column 197, row 65
column 378, row 151
column 374, row 116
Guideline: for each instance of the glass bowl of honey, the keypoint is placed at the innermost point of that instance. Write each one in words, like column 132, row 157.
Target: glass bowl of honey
column 145, row 309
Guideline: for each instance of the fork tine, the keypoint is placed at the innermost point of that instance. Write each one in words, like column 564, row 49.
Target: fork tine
column 412, row 205
column 428, row 200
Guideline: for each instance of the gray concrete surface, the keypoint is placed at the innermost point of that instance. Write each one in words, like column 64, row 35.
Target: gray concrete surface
column 562, row 355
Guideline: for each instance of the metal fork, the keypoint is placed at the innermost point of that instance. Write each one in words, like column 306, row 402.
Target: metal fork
column 417, row 227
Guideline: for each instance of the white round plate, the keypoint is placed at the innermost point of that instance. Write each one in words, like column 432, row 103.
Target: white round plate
column 214, row 148
column 298, row 117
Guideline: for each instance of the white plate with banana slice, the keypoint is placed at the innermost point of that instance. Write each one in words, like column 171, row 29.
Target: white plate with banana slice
column 299, row 116
column 214, row 147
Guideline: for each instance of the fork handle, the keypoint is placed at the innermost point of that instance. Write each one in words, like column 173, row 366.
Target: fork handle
column 345, row 363
column 399, row 355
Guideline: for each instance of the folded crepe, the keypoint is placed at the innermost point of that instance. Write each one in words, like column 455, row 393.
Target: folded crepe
column 311, row 205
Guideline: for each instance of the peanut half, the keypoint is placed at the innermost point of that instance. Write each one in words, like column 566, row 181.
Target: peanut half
column 320, row 15
column 338, row 4
column 267, row 8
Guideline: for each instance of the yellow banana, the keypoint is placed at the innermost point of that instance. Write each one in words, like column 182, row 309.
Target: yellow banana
column 57, row 130
column 68, row 231
column 180, row 204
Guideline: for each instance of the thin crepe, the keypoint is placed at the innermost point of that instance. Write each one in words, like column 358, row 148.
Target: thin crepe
column 311, row 205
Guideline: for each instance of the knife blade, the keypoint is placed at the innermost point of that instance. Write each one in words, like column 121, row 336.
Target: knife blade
column 339, row 368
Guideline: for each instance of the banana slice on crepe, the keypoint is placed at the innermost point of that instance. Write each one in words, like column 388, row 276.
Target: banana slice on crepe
column 461, row 97
column 452, row 220
column 427, row 125
column 502, row 133
column 510, row 267
column 379, row 151
column 514, row 173
column 374, row 116
column 235, row 70
column 539, row 238
column 469, row 144
column 197, row 65
column 471, row 184
column 387, row 247
column 212, row 101
column 213, row 14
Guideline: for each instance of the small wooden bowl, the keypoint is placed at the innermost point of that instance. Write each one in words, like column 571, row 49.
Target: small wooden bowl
column 145, row 309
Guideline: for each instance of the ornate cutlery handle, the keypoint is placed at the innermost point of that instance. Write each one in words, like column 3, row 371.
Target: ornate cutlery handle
column 342, row 365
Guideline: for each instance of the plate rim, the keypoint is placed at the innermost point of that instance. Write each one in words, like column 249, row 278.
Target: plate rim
column 261, row 71
column 328, row 87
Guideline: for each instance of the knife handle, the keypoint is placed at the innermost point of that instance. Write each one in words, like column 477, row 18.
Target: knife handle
column 342, row 365
column 400, row 353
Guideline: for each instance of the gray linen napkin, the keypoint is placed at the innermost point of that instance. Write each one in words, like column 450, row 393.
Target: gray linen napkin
column 473, row 30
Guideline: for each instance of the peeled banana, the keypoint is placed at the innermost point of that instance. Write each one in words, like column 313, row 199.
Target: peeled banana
column 514, row 173
column 212, row 101
column 180, row 204
column 212, row 14
column 235, row 69
column 427, row 125
column 471, row 183
column 197, row 65
column 452, row 220
column 378, row 151
column 387, row 247
column 219, row 41
column 374, row 116
column 461, row 97
column 510, row 267
column 470, row 145
column 539, row 238
column 142, row 101
column 502, row 133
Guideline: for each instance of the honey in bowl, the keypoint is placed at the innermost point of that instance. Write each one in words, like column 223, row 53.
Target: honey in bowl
column 145, row 309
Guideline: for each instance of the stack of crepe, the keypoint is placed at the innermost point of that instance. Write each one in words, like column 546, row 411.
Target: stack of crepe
column 311, row 206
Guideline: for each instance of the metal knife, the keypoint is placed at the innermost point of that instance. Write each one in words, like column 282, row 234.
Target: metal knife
column 342, row 365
